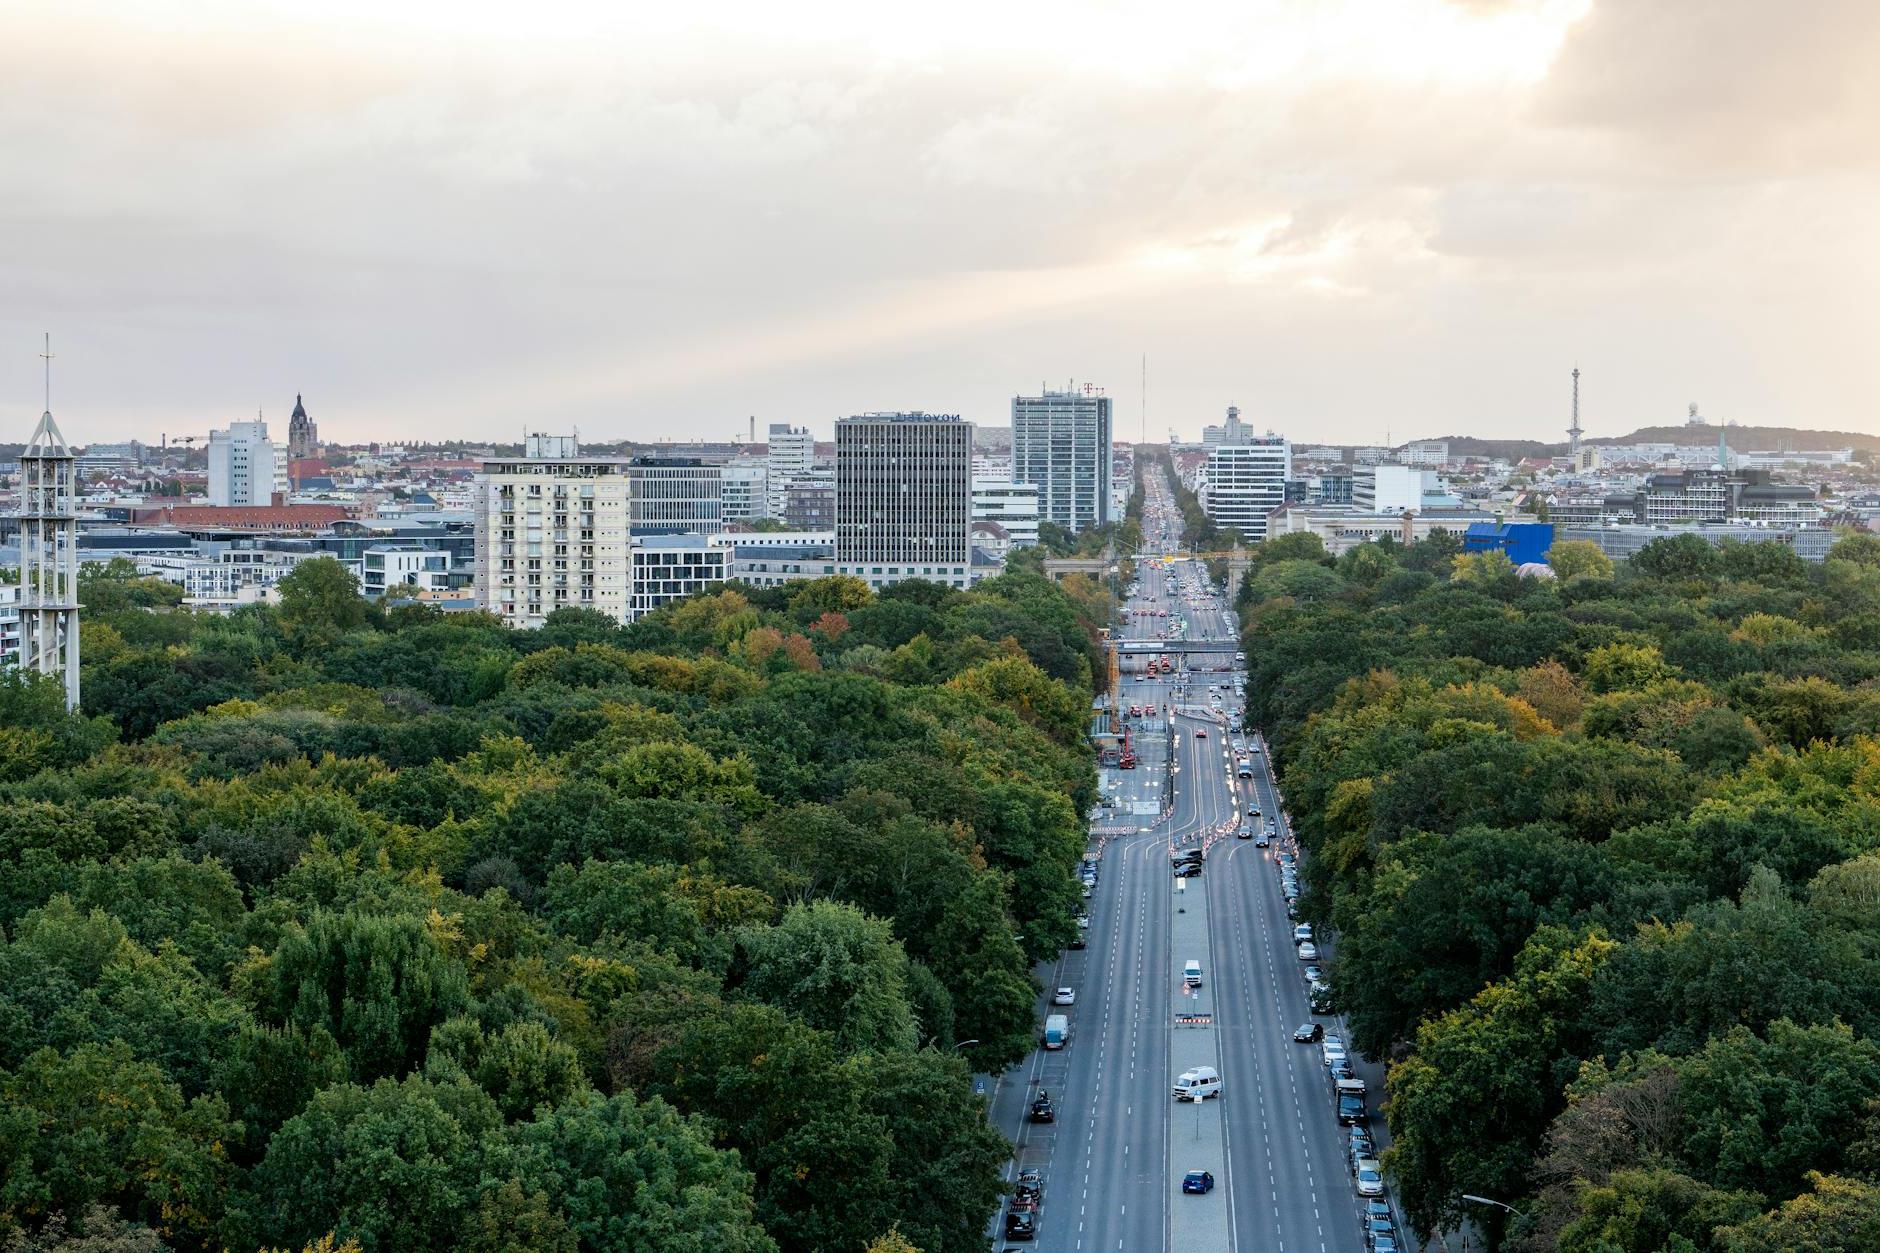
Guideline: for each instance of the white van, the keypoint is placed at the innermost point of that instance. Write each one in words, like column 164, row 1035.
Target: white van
column 1197, row 1084
column 1191, row 973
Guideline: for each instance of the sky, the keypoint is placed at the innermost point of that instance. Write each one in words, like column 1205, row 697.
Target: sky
column 1357, row 220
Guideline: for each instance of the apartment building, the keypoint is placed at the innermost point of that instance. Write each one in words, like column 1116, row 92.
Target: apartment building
column 552, row 530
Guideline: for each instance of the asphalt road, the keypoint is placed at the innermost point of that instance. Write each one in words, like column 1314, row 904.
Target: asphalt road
column 1111, row 1161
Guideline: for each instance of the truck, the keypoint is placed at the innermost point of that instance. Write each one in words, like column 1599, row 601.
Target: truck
column 1057, row 1030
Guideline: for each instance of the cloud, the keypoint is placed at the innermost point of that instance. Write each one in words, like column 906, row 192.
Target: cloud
column 1341, row 214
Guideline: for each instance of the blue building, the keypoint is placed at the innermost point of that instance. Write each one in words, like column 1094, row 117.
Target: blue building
column 1524, row 542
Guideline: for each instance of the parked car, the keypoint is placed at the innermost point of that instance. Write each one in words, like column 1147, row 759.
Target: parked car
column 1308, row 952
column 1198, row 1181
column 1188, row 870
column 1314, row 974
column 1064, row 996
column 1307, row 1033
column 1021, row 1225
column 1370, row 1178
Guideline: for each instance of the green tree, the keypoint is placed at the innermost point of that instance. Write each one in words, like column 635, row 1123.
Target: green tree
column 837, row 969
column 1573, row 557
column 321, row 594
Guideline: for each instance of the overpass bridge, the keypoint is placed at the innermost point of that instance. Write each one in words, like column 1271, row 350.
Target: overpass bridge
column 1142, row 648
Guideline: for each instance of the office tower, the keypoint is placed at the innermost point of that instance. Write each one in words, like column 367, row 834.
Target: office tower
column 904, row 496
column 1061, row 445
column 674, row 495
column 245, row 466
column 303, row 437
column 1246, row 482
column 47, row 601
column 551, row 532
column 1232, row 431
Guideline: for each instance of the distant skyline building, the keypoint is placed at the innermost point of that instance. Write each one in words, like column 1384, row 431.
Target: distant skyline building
column 245, row 466
column 1232, row 431
column 1061, row 446
column 1014, row 506
column 791, row 455
column 303, row 437
column 746, row 492
column 904, row 497
column 1246, row 482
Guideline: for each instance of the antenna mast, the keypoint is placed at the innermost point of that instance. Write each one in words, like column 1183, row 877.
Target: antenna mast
column 1573, row 432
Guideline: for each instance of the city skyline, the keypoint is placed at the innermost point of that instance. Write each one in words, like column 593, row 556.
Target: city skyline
column 1414, row 217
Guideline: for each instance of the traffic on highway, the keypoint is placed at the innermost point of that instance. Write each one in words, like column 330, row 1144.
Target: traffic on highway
column 1192, row 1088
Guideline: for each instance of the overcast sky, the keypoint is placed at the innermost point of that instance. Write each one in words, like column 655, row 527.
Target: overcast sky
column 458, row 218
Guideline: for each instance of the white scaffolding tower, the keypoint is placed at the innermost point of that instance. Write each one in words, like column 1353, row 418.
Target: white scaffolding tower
column 49, row 557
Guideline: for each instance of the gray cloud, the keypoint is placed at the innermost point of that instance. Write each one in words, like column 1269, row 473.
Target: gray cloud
column 660, row 232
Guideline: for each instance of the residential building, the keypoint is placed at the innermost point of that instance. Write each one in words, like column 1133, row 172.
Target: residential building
column 809, row 502
column 218, row 577
column 9, row 625
column 552, row 530
column 1245, row 482
column 671, row 567
column 1393, row 488
column 403, row 570
column 1061, row 445
column 746, row 492
column 673, row 495
column 1717, row 495
column 1014, row 506
column 1425, row 452
column 303, row 437
column 904, row 497
column 245, row 466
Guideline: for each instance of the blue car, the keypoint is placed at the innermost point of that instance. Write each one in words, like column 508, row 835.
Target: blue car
column 1199, row 1181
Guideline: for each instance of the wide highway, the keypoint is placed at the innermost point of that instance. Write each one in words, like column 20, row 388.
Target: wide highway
column 1112, row 1161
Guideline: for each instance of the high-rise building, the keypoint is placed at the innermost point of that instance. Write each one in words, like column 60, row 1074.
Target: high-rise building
column 303, row 437
column 904, row 497
column 1245, row 482
column 674, row 495
column 1425, row 452
column 552, row 532
column 1232, row 431
column 1396, row 489
column 791, row 456
column 1061, row 445
column 47, row 602
column 245, row 466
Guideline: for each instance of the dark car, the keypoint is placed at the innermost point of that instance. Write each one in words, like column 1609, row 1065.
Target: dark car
column 1021, row 1225
column 1340, row 1069
column 1262, row 842
column 1043, row 1111
column 1188, row 870
column 1077, row 941
column 1198, row 1181
column 1309, row 1033
column 1375, row 1226
column 1362, row 1145
column 1375, row 1208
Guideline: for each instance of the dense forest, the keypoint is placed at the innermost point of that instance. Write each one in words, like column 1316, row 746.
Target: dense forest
column 1602, row 854
column 326, row 926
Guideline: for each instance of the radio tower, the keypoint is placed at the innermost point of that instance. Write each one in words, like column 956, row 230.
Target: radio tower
column 1573, row 432
column 49, row 551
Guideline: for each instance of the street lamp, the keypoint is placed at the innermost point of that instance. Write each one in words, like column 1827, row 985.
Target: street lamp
column 1487, row 1200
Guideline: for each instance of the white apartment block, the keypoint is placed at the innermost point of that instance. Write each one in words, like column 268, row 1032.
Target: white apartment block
column 1245, row 482
column 1425, row 452
column 1392, row 488
column 792, row 455
column 552, row 531
column 403, row 569
column 668, row 568
column 245, row 466
column 9, row 624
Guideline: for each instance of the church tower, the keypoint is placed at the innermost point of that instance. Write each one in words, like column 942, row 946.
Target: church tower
column 303, row 437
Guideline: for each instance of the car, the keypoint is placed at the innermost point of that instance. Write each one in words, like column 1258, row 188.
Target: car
column 1200, row 1182
column 1243, row 834
column 1340, row 1069
column 1262, row 842
column 1302, row 933
column 1308, row 1033
column 1375, row 1208
column 1201, row 733
column 1021, row 1225
column 1253, row 811
column 1362, row 1145
column 1064, row 996
column 1370, row 1177
column 1078, row 941
column 1375, row 1226
column 1385, row 1243
column 1292, row 911
column 1314, row 974
column 1188, row 870
column 1083, row 921
column 1042, row 1110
